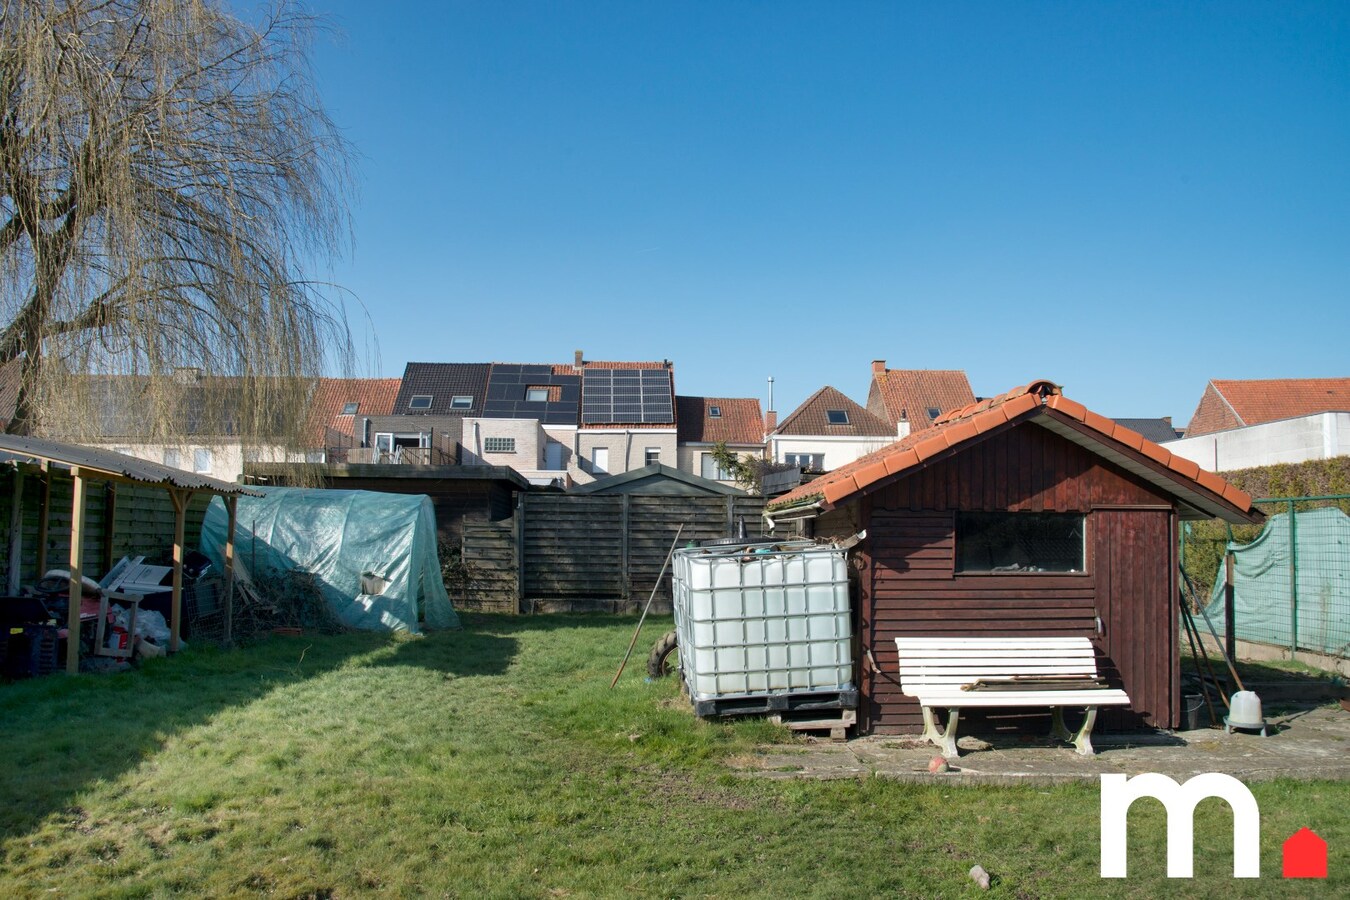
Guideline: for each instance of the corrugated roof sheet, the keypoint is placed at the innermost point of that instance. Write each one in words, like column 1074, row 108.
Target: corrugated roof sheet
column 1204, row 490
column 109, row 462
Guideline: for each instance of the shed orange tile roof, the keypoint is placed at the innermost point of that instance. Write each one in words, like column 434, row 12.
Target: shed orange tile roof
column 1036, row 400
column 740, row 422
column 811, row 417
column 1229, row 403
column 372, row 396
column 908, row 394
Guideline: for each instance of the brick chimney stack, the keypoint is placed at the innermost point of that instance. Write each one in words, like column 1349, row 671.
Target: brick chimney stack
column 580, row 361
column 878, row 366
column 770, row 421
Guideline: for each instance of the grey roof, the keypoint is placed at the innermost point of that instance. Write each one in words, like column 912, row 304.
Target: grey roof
column 111, row 463
column 1156, row 430
column 655, row 479
column 442, row 382
column 508, row 383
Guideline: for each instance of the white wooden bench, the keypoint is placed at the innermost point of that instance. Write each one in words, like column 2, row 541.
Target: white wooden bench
column 964, row 673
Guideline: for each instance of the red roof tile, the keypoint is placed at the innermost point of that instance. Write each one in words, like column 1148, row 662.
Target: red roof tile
column 372, row 396
column 968, row 423
column 1233, row 404
column 600, row 364
column 740, row 421
column 909, row 394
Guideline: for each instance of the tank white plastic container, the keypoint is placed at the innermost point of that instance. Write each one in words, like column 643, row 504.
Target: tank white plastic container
column 763, row 620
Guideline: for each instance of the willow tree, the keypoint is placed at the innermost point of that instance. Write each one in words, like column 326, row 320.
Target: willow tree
column 168, row 175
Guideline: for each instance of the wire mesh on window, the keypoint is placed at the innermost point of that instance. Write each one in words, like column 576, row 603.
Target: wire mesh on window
column 1019, row 542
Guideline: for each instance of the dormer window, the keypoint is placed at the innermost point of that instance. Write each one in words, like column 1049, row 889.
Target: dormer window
column 836, row 416
column 420, row 401
column 714, row 412
column 463, row 401
column 349, row 409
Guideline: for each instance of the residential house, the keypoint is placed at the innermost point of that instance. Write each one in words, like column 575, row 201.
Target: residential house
column 529, row 422
column 627, row 418
column 705, row 422
column 911, row 400
column 1018, row 517
column 340, row 409
column 426, row 422
column 827, row 431
column 1242, row 424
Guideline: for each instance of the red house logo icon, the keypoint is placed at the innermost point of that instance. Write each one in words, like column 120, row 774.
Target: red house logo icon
column 1305, row 855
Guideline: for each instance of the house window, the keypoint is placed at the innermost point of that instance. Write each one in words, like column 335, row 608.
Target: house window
column 315, row 456
column 201, row 460
column 836, row 416
column 171, row 458
column 934, row 412
column 252, row 455
column 711, row 470
column 714, row 412
column 349, row 409
column 499, row 445
column 653, row 456
column 419, row 401
column 1019, row 542
column 461, row 401
column 600, row 460
column 813, row 461
column 536, row 395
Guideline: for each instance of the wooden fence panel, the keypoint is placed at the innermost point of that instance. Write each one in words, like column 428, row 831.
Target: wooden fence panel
column 489, row 556
column 573, row 546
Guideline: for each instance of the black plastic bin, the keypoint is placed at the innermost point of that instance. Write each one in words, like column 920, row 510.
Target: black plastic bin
column 30, row 651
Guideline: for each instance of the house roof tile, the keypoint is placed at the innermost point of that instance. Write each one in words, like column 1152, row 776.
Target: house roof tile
column 442, row 382
column 1038, row 400
column 372, row 396
column 908, row 394
column 811, row 418
column 1231, row 403
column 740, row 422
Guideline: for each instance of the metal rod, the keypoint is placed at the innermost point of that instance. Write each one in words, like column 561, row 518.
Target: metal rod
column 1215, row 633
column 643, row 617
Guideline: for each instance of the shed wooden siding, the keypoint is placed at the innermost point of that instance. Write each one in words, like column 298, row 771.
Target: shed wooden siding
column 909, row 586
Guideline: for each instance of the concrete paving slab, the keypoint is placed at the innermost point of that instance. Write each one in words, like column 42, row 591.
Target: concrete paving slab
column 1310, row 742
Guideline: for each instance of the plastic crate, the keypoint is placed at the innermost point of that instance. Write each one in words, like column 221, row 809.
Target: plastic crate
column 30, row 651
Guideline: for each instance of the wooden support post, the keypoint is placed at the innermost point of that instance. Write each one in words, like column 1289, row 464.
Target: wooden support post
column 232, row 508
column 15, row 575
column 1229, row 607
column 520, row 552
column 109, row 521
column 180, row 500
column 76, row 569
column 625, row 574
column 44, row 520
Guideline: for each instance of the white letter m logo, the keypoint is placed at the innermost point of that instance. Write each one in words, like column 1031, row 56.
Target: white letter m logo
column 1119, row 791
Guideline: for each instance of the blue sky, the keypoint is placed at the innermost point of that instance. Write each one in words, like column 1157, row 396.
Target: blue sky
column 1129, row 199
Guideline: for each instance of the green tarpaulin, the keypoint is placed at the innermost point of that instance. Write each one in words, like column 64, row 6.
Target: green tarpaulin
column 339, row 536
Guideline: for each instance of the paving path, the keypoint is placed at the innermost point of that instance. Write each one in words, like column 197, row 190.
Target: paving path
column 1303, row 743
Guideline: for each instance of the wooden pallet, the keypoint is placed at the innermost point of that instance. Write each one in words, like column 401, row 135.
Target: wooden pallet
column 837, row 725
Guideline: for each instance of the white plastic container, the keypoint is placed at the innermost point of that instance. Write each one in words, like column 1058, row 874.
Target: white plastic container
column 763, row 621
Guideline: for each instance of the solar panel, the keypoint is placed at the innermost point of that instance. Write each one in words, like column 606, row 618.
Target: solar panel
column 617, row 396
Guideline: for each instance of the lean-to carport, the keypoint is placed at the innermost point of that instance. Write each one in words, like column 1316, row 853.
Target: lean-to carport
column 87, row 463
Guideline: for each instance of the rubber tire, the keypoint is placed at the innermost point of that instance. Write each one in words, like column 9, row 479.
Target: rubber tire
column 658, row 662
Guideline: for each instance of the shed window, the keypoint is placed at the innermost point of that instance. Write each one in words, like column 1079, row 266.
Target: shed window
column 420, row 401
column 1019, row 542
column 499, row 445
column 836, row 416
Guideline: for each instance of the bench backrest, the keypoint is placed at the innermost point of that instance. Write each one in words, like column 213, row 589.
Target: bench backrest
column 952, row 662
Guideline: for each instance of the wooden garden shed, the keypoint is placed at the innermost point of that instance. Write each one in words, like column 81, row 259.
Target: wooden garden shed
column 1025, row 515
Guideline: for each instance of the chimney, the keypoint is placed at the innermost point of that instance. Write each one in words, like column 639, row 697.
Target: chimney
column 579, row 360
column 902, row 428
column 878, row 367
column 1168, row 420
column 770, row 421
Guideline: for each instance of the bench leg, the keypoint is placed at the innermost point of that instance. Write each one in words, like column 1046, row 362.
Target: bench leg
column 1083, row 739
column 946, row 740
column 1058, row 729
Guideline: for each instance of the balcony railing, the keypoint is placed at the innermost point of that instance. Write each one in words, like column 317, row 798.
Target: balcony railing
column 405, row 456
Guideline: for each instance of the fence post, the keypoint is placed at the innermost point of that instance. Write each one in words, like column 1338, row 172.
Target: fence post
column 626, row 554
column 1229, row 606
column 520, row 552
column 1293, row 582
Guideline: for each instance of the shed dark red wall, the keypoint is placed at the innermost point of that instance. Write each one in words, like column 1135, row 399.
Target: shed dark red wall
column 908, row 585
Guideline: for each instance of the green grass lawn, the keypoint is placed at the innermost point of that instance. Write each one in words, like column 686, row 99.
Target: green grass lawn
column 495, row 761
